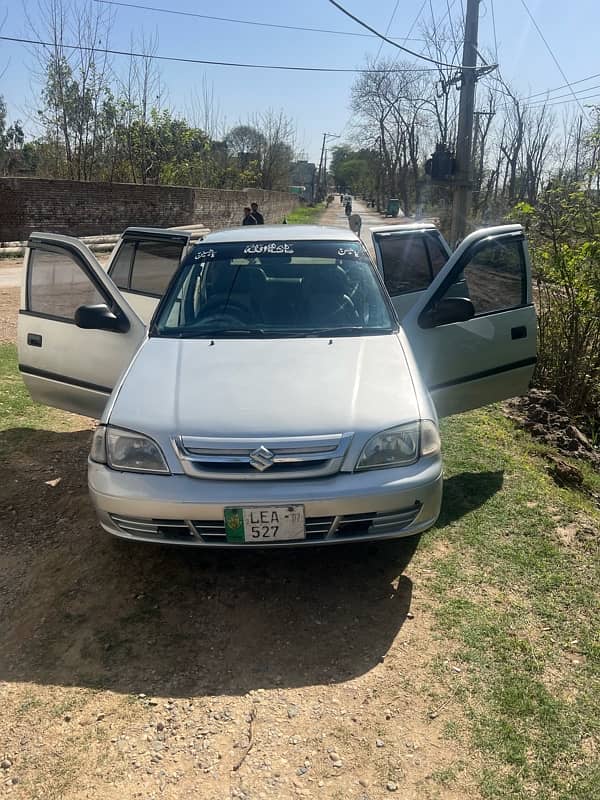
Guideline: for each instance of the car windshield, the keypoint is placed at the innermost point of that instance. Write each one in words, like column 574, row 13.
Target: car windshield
column 275, row 289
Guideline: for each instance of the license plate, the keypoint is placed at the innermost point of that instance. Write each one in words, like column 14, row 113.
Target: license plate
column 264, row 524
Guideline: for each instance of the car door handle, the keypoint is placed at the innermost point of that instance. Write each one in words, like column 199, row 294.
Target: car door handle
column 34, row 339
column 520, row 332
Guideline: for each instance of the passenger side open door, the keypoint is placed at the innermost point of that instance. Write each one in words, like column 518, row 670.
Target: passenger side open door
column 143, row 263
column 478, row 348
column 76, row 332
column 409, row 257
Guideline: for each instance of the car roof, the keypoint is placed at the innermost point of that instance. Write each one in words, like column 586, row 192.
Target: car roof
column 281, row 233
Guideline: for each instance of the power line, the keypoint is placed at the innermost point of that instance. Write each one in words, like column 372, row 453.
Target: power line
column 541, row 102
column 543, row 38
column 390, row 41
column 564, row 102
column 564, row 86
column 154, row 57
column 256, row 23
column 387, row 30
column 494, row 30
column 414, row 22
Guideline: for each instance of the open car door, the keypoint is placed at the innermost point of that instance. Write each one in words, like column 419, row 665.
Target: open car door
column 480, row 347
column 409, row 257
column 143, row 263
column 76, row 332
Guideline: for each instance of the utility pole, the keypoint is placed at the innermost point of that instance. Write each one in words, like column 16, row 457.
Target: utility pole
column 461, row 199
column 320, row 174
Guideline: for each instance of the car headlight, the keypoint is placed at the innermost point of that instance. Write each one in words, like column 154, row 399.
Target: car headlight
column 400, row 446
column 134, row 452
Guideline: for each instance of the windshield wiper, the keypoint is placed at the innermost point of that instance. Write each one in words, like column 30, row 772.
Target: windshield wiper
column 348, row 330
column 216, row 333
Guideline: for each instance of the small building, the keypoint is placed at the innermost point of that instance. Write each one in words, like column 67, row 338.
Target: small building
column 303, row 179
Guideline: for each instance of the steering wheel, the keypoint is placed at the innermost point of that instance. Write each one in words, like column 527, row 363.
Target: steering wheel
column 346, row 307
column 235, row 310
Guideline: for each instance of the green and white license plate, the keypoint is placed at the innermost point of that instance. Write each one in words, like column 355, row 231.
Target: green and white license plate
column 264, row 524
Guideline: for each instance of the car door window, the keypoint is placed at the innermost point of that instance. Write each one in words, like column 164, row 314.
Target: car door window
column 58, row 285
column 154, row 264
column 437, row 253
column 120, row 269
column 494, row 277
column 406, row 265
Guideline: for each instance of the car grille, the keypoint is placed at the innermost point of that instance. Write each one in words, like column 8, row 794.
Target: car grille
column 355, row 526
column 262, row 459
column 168, row 529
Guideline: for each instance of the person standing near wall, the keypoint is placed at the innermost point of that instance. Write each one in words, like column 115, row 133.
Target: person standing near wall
column 248, row 218
column 260, row 220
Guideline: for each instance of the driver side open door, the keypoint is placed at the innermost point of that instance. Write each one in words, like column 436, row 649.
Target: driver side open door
column 477, row 346
column 76, row 332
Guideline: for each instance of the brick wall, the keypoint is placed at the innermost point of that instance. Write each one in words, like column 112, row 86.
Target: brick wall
column 80, row 208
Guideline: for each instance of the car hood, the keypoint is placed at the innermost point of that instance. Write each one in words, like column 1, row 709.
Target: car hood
column 266, row 387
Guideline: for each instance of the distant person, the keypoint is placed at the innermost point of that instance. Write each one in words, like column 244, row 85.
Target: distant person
column 249, row 219
column 341, row 199
column 348, row 208
column 355, row 222
column 260, row 220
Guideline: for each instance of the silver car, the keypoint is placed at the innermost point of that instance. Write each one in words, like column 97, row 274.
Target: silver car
column 258, row 389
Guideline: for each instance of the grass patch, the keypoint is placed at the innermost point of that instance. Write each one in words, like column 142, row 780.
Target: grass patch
column 306, row 215
column 19, row 415
column 521, row 611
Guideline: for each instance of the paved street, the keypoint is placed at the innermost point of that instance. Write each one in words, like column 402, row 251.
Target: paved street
column 336, row 216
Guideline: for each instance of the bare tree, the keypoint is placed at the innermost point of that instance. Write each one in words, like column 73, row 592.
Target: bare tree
column 205, row 111
column 76, row 91
column 538, row 127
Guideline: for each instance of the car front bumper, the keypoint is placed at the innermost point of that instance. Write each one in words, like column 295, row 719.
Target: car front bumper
column 346, row 507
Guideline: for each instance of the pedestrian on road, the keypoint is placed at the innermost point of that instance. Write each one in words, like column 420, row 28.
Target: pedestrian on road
column 348, row 208
column 248, row 218
column 341, row 199
column 260, row 220
column 355, row 222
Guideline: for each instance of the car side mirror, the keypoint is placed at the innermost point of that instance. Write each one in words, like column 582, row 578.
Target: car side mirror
column 448, row 310
column 100, row 317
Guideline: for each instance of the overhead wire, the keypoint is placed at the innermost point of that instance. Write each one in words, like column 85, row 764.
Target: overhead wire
column 387, row 30
column 541, row 102
column 237, row 21
column 494, row 29
column 564, row 86
column 554, row 58
column 155, row 57
column 390, row 41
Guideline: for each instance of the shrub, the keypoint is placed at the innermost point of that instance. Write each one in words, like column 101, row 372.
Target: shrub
column 564, row 241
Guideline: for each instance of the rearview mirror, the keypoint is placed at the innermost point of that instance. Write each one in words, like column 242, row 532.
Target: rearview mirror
column 100, row 317
column 450, row 309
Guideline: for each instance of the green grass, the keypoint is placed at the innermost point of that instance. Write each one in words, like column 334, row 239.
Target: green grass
column 19, row 415
column 306, row 215
column 520, row 609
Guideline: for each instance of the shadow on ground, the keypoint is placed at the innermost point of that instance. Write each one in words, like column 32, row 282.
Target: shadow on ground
column 466, row 492
column 81, row 609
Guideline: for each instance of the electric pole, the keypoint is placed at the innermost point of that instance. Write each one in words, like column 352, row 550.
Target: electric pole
column 461, row 198
column 319, row 177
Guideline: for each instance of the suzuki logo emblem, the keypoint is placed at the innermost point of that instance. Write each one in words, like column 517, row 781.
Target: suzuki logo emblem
column 261, row 458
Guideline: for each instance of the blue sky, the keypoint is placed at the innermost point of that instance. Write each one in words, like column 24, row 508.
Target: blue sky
column 318, row 102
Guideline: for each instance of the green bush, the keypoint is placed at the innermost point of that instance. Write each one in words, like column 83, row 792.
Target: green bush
column 564, row 240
